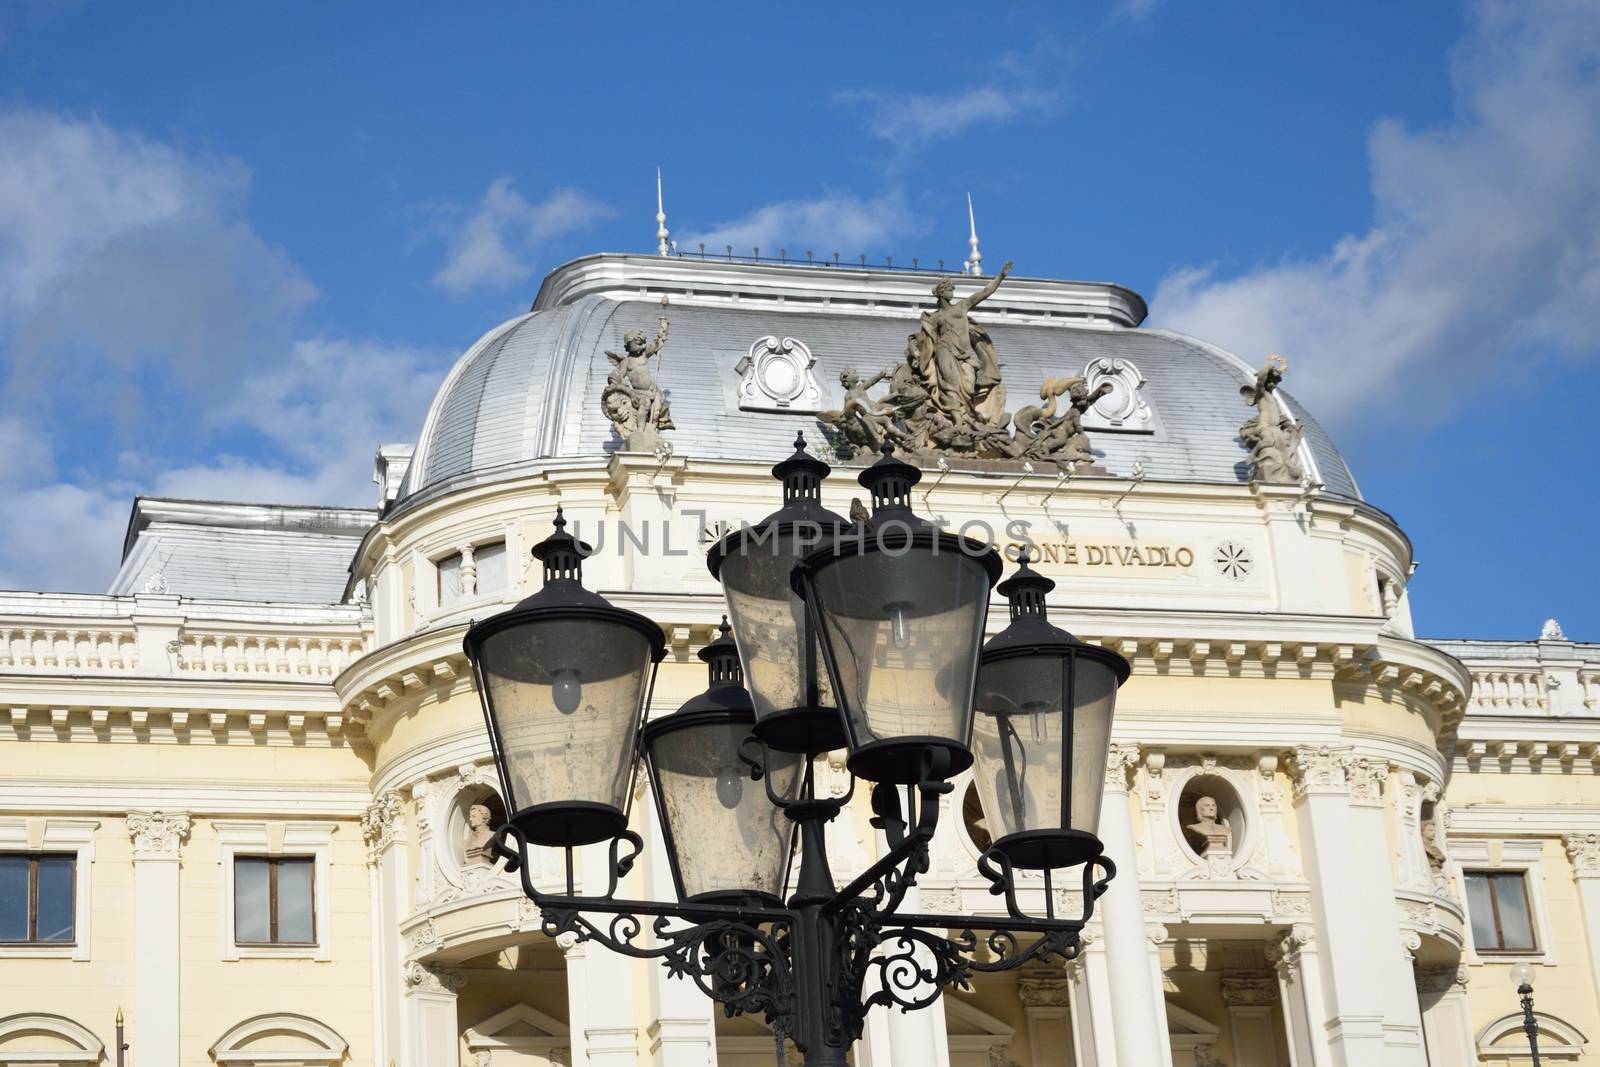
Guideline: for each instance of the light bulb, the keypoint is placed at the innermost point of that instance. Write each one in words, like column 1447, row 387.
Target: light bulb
column 1035, row 710
column 566, row 688
column 899, row 626
column 730, row 787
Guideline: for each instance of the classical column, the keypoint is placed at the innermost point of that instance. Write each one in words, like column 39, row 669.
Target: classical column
column 605, row 982
column 1139, row 1021
column 1375, row 869
column 1446, row 1015
column 383, row 829
column 1352, row 956
column 1046, row 996
column 1249, row 996
column 1294, row 957
column 573, row 952
column 433, row 1033
column 1584, row 852
column 157, row 839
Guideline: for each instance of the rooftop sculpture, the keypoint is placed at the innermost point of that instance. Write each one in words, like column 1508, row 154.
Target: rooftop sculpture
column 1272, row 437
column 947, row 396
column 632, row 398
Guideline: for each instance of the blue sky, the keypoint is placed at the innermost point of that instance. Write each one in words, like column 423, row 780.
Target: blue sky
column 239, row 245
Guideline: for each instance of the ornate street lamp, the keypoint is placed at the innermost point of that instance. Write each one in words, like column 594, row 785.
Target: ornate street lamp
column 1042, row 731
column 794, row 703
column 894, row 609
column 899, row 606
column 564, row 677
column 1522, row 978
column 709, row 791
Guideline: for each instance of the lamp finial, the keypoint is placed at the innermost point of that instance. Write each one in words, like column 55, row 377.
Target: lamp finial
column 661, row 219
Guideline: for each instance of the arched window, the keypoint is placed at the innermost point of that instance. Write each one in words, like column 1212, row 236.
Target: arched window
column 279, row 1039
column 35, row 1039
column 1504, row 1041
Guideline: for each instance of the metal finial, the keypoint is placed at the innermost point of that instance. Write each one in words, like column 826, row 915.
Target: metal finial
column 661, row 219
column 974, row 263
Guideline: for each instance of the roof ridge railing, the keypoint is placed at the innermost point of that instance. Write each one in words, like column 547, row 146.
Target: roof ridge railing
column 832, row 261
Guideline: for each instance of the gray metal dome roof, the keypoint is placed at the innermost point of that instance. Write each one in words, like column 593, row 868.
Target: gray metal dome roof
column 530, row 388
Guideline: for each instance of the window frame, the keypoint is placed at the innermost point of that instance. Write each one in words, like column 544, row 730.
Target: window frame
column 1492, row 876
column 273, row 863
column 33, row 858
column 49, row 835
column 427, row 576
column 1510, row 855
column 287, row 839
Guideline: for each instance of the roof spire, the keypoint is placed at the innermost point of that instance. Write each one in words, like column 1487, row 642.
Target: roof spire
column 661, row 219
column 974, row 263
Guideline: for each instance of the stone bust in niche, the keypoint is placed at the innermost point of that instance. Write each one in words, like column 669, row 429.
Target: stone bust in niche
column 1207, row 830
column 476, row 852
column 1431, row 849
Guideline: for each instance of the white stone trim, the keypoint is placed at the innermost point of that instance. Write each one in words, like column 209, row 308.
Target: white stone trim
column 1522, row 855
column 51, row 833
column 277, row 838
column 1558, row 1039
column 86, row 1048
column 325, row 1048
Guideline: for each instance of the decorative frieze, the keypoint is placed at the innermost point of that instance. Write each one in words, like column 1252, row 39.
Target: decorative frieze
column 1044, row 988
column 157, row 835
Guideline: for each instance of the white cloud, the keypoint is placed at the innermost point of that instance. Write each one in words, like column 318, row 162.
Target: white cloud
column 833, row 222
column 1484, row 256
column 129, row 271
column 912, row 120
column 491, row 247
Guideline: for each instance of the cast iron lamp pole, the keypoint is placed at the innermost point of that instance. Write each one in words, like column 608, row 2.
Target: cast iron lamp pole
column 1522, row 978
column 865, row 636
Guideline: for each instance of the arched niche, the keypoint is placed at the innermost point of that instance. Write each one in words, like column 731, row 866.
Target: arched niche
column 35, row 1038
column 279, row 1038
column 458, row 821
column 1232, row 812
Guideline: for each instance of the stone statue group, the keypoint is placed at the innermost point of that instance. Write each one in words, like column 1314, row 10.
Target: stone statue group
column 946, row 396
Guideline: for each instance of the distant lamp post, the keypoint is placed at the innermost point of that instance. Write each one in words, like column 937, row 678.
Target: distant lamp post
column 122, row 1046
column 1522, row 978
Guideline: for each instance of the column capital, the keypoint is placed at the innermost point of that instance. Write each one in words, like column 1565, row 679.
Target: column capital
column 421, row 978
column 1320, row 770
column 382, row 824
column 1044, row 990
column 1119, row 764
column 1584, row 852
column 1441, row 979
column 1242, row 989
column 1366, row 778
column 1285, row 951
column 157, row 835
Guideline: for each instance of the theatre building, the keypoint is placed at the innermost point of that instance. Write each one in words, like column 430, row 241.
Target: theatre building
column 246, row 791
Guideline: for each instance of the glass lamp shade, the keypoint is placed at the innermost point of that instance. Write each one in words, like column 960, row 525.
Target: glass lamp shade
column 791, row 695
column 899, row 607
column 564, row 677
column 1041, row 733
column 726, row 842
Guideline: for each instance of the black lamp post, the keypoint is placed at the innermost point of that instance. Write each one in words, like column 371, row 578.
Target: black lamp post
column 864, row 636
column 1522, row 978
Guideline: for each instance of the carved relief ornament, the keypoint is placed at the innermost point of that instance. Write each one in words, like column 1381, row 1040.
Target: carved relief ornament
column 1319, row 769
column 421, row 978
column 157, row 834
column 381, row 823
column 1584, row 852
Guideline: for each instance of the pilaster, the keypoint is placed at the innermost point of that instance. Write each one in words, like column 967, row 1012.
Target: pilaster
column 158, row 838
column 680, row 1026
column 1446, row 1014
column 1583, row 850
column 1046, row 995
column 383, row 829
column 1093, row 1042
column 1249, row 997
column 1139, row 1022
column 1294, row 959
column 433, row 1032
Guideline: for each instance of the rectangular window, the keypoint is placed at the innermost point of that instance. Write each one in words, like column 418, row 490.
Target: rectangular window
column 488, row 573
column 272, row 901
column 449, row 579
column 491, row 561
column 36, row 898
column 1501, row 919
